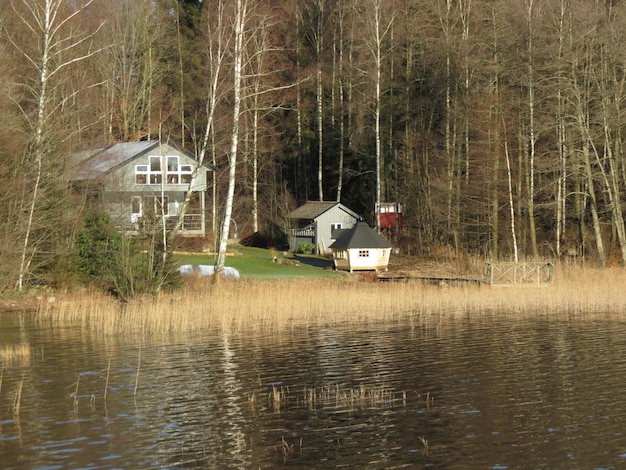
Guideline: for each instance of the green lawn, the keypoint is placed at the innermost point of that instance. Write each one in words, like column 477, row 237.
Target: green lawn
column 257, row 263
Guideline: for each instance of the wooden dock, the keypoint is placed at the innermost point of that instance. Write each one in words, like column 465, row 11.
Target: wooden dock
column 496, row 274
column 434, row 280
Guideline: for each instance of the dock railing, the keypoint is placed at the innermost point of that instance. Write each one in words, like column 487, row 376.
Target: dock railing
column 527, row 273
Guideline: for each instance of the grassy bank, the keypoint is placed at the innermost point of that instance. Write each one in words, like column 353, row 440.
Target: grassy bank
column 257, row 263
column 281, row 304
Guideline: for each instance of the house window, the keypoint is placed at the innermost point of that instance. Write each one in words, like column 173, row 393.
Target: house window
column 136, row 205
column 173, row 176
column 136, row 209
column 156, row 173
column 185, row 174
column 141, row 174
column 172, row 165
column 334, row 227
column 178, row 173
column 152, row 173
column 340, row 254
column 364, row 253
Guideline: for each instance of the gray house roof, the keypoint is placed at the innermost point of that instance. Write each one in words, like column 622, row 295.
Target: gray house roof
column 313, row 209
column 99, row 162
column 360, row 236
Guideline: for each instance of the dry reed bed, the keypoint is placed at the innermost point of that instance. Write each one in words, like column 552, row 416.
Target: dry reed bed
column 279, row 304
column 335, row 396
column 15, row 353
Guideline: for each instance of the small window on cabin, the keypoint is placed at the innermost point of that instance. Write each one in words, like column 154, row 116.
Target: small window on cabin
column 335, row 227
column 364, row 253
column 340, row 254
column 172, row 179
column 155, row 178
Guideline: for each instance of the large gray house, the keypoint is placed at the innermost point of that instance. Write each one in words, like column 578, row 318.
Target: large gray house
column 141, row 183
column 318, row 222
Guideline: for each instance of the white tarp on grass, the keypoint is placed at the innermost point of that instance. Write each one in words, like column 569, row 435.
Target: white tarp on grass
column 207, row 270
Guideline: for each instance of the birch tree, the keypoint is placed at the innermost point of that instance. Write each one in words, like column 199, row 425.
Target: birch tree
column 560, row 127
column 379, row 28
column 58, row 44
column 239, row 35
column 217, row 43
column 301, row 171
column 532, row 132
column 261, row 47
column 316, row 13
column 341, row 13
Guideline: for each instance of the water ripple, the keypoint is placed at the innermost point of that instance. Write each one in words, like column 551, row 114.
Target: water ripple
column 463, row 394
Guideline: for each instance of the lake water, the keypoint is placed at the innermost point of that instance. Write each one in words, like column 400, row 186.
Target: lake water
column 466, row 394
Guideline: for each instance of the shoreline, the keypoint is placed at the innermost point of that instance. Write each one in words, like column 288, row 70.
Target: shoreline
column 23, row 305
column 277, row 305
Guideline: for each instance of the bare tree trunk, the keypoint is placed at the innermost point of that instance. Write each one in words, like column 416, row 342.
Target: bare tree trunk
column 320, row 97
column 496, row 118
column 216, row 52
column 301, row 173
column 465, row 10
column 239, row 33
column 181, row 78
column 511, row 205
column 610, row 108
column 378, row 62
column 320, row 129
column 255, row 165
column 54, row 54
column 582, row 93
column 594, row 206
column 453, row 197
column 379, row 31
column 532, row 139
column 341, row 93
column 561, row 137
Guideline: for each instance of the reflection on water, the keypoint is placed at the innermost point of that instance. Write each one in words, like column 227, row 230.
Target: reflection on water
column 464, row 394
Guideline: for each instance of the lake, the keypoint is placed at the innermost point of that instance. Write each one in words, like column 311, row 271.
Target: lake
column 490, row 393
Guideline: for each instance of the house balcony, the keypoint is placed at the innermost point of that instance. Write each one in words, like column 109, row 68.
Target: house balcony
column 303, row 232
column 192, row 225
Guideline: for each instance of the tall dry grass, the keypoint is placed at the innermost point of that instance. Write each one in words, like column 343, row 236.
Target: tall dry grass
column 15, row 353
column 279, row 304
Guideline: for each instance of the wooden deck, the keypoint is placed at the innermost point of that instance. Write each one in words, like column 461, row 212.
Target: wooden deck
column 496, row 274
column 435, row 280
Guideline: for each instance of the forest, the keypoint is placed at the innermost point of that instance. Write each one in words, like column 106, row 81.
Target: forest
column 497, row 124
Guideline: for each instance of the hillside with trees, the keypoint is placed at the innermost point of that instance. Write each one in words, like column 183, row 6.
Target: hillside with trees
column 497, row 124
